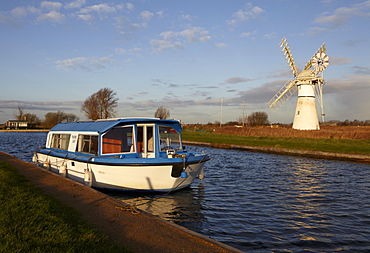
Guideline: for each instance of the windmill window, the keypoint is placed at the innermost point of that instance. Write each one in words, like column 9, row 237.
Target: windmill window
column 298, row 112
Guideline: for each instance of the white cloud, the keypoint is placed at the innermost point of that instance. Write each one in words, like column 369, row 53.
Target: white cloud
column 51, row 5
column 129, row 6
column 186, row 17
column 195, row 34
column 248, row 34
column 19, row 12
column 312, row 31
column 340, row 17
column 102, row 10
column 175, row 40
column 125, row 27
column 125, row 51
column 86, row 17
column 270, row 35
column 146, row 15
column 221, row 45
column 243, row 15
column 70, row 64
column 120, row 50
column 16, row 15
column 99, row 8
column 162, row 45
column 76, row 4
column 160, row 13
column 52, row 16
column 82, row 63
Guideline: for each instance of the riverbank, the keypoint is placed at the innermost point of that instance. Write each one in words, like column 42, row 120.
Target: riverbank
column 287, row 151
column 24, row 130
column 136, row 231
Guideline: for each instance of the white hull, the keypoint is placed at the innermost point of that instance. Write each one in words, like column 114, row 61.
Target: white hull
column 122, row 177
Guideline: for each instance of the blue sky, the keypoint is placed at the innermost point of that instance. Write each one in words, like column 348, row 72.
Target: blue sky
column 185, row 55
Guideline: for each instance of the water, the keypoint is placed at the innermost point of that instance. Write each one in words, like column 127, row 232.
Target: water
column 260, row 202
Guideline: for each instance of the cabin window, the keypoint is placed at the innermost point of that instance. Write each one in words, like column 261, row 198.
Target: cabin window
column 118, row 140
column 60, row 141
column 169, row 138
column 145, row 138
column 88, row 144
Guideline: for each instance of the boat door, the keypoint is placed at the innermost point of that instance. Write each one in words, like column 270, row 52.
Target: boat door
column 145, row 140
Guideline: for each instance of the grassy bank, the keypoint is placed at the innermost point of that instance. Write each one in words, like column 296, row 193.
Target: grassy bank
column 347, row 146
column 33, row 222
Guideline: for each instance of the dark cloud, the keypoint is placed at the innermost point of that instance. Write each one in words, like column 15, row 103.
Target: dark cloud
column 361, row 70
column 235, row 80
column 42, row 106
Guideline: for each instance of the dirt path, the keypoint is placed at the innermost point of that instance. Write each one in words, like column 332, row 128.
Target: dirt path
column 140, row 232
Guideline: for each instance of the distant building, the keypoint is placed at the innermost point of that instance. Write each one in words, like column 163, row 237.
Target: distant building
column 16, row 124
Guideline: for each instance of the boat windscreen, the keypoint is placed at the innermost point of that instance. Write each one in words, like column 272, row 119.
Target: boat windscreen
column 169, row 138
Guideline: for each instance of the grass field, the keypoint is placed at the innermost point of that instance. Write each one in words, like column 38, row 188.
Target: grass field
column 33, row 222
column 350, row 140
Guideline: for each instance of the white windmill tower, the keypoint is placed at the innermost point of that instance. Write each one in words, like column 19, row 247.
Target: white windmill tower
column 309, row 84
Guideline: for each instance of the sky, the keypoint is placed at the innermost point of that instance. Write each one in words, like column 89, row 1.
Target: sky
column 191, row 56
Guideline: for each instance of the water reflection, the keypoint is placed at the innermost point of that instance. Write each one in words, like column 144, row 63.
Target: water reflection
column 173, row 207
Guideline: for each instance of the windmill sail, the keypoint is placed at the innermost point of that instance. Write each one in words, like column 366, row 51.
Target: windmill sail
column 288, row 56
column 283, row 95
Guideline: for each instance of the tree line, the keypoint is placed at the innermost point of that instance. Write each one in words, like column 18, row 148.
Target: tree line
column 100, row 105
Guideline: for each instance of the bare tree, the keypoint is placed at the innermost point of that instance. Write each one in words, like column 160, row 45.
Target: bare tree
column 162, row 113
column 100, row 105
column 19, row 115
column 258, row 119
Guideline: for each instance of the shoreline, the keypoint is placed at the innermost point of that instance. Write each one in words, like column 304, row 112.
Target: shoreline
column 287, row 151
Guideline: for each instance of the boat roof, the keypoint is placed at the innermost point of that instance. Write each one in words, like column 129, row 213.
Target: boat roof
column 104, row 125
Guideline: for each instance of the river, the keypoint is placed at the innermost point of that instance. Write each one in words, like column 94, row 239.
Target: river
column 259, row 202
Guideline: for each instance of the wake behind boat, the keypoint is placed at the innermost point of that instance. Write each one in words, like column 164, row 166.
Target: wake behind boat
column 136, row 154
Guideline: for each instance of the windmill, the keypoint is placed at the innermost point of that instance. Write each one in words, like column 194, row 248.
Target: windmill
column 309, row 83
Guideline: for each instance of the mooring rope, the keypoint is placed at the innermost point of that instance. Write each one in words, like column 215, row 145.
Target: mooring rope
column 132, row 209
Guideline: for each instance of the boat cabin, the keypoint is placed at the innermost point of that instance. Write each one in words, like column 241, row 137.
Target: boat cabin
column 128, row 137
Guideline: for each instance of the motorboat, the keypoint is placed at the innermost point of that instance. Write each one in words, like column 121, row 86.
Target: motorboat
column 129, row 154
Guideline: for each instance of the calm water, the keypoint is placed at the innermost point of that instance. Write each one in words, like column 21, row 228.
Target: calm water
column 260, row 202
